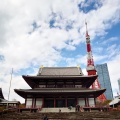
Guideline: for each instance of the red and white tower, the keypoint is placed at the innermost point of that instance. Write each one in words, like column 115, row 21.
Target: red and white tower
column 90, row 65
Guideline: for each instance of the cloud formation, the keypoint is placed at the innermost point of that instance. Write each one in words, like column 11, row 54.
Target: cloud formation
column 35, row 33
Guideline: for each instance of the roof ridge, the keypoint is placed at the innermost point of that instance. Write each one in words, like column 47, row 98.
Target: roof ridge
column 59, row 67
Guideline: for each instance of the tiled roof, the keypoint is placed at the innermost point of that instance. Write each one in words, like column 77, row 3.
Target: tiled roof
column 1, row 94
column 61, row 71
column 85, row 81
column 4, row 101
column 47, row 90
column 53, row 91
column 115, row 101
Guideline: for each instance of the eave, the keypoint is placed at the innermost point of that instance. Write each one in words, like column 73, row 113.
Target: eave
column 1, row 94
column 86, row 81
column 60, row 91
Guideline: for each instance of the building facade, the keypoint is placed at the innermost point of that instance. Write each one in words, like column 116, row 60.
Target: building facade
column 104, row 80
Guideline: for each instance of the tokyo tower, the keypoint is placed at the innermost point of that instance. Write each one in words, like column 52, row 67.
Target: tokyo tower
column 90, row 66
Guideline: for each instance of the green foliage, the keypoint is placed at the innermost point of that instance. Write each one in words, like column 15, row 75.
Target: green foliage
column 2, row 108
column 22, row 106
column 106, row 102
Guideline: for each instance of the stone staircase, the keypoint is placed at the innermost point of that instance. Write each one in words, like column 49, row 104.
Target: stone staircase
column 111, row 115
column 44, row 110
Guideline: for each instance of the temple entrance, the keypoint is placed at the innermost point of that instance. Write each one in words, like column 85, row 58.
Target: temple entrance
column 71, row 102
column 60, row 102
column 49, row 103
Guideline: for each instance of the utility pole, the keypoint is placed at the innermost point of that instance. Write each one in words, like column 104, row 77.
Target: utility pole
column 10, row 86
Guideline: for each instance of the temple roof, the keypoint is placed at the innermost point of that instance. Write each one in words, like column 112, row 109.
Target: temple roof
column 81, row 92
column 4, row 101
column 61, row 71
column 85, row 81
column 115, row 101
column 10, row 102
column 1, row 94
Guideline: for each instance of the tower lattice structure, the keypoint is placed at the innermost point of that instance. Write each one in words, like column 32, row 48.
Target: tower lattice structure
column 90, row 66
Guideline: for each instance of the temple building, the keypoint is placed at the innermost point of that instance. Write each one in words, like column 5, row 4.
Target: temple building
column 55, row 87
column 4, row 102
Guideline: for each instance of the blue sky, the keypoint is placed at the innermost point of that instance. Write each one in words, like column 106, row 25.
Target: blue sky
column 52, row 33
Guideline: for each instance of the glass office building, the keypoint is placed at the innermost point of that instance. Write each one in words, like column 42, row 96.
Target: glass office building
column 119, row 84
column 104, row 80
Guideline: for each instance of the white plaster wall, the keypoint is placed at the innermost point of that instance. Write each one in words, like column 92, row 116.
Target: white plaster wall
column 91, row 102
column 81, row 102
column 38, row 102
column 11, row 104
column 29, row 102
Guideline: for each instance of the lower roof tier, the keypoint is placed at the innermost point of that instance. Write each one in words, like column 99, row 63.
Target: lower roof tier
column 54, row 92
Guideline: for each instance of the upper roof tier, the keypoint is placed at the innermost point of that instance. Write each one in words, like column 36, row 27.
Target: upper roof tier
column 64, row 75
column 61, row 71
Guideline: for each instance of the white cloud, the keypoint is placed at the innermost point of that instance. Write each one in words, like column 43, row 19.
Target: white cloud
column 22, row 46
column 113, row 50
column 112, row 39
column 114, row 71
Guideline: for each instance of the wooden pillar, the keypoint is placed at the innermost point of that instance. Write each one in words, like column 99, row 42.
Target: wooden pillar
column 42, row 102
column 85, row 102
column 65, row 101
column 32, row 103
column 95, row 101
column 88, row 101
column 35, row 103
column 54, row 102
column 76, row 100
column 25, row 102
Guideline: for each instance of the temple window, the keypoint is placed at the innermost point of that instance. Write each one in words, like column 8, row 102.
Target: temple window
column 29, row 103
column 78, row 86
column 41, row 86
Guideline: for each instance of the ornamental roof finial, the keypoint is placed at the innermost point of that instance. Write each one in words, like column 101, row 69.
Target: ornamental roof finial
column 41, row 66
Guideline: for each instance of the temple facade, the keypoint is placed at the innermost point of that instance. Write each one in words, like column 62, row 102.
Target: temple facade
column 55, row 87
